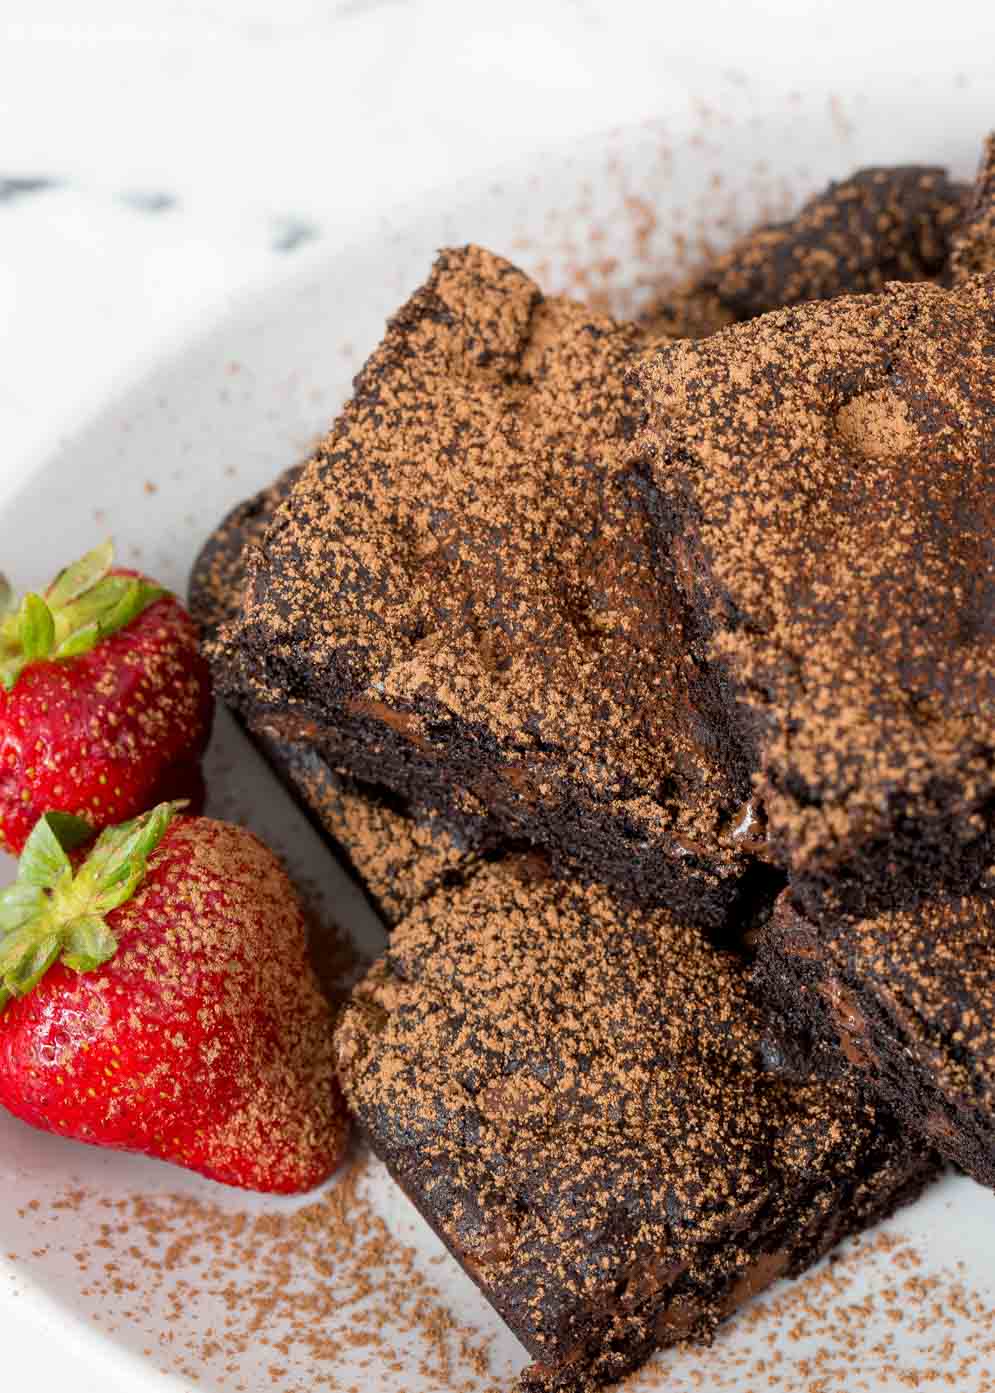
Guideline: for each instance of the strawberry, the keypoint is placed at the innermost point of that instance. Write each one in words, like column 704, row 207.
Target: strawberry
column 156, row 996
column 106, row 705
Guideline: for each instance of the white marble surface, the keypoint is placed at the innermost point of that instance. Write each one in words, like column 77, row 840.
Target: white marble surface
column 157, row 160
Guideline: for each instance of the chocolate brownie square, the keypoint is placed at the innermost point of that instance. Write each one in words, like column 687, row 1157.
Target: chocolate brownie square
column 460, row 600
column 573, row 1095
column 824, row 479
column 901, row 1002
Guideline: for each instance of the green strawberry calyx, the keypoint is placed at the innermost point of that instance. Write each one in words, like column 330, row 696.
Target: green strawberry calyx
column 84, row 604
column 54, row 912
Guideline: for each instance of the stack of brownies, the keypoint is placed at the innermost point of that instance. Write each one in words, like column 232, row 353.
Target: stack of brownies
column 645, row 675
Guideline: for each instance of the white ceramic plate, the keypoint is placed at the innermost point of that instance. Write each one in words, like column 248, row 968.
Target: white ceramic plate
column 156, row 468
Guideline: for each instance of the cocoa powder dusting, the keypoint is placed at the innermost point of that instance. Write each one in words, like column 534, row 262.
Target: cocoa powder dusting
column 303, row 1292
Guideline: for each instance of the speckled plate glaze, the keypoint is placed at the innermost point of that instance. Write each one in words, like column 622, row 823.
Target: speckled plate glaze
column 161, row 463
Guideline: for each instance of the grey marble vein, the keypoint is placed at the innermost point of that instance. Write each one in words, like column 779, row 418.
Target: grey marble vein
column 20, row 186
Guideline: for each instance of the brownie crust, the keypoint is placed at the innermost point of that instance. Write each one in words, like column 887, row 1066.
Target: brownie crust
column 460, row 600
column 573, row 1095
column 823, row 479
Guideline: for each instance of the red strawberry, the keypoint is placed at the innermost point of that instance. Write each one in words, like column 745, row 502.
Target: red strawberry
column 106, row 703
column 156, row 996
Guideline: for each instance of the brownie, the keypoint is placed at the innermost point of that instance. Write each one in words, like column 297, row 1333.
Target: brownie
column 824, row 480
column 460, row 601
column 901, row 1002
column 882, row 224
column 396, row 854
column 973, row 247
column 573, row 1095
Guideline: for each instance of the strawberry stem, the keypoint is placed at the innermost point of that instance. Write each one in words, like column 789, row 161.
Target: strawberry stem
column 84, row 604
column 52, row 913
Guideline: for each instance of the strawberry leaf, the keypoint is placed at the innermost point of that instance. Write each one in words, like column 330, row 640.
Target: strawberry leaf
column 25, row 957
column 136, row 599
column 10, row 670
column 120, row 854
column 51, row 914
column 44, row 861
column 82, row 575
column 70, row 830
column 109, row 606
column 35, row 628
column 88, row 944
column 19, row 903
column 126, row 882
column 79, row 641
column 87, row 602
column 8, row 600
column 96, row 603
